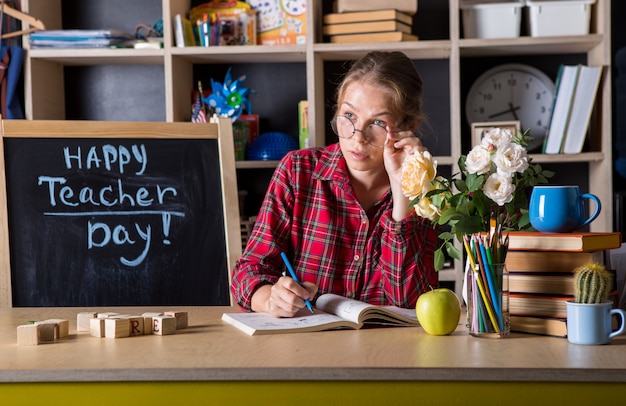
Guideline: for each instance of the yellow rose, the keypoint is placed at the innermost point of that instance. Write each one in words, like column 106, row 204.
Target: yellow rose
column 425, row 208
column 418, row 170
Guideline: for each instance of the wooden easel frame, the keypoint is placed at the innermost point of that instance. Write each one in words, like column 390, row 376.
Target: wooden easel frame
column 218, row 128
column 34, row 23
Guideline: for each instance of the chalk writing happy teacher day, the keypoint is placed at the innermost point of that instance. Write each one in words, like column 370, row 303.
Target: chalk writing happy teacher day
column 114, row 200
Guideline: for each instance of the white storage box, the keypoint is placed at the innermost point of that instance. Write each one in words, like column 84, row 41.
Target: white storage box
column 559, row 17
column 491, row 19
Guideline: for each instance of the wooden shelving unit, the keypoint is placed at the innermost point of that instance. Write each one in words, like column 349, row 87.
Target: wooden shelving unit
column 449, row 52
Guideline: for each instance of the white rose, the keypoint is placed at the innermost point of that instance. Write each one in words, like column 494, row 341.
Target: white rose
column 499, row 188
column 478, row 160
column 511, row 158
column 497, row 137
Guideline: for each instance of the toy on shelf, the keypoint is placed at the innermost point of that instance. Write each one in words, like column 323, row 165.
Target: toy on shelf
column 228, row 99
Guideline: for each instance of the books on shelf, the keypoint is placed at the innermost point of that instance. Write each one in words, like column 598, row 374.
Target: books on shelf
column 393, row 36
column 539, row 325
column 406, row 6
column 366, row 27
column 303, row 124
column 183, row 32
column 565, row 86
column 363, row 16
column 80, row 38
column 576, row 89
column 572, row 242
column 331, row 312
column 582, row 106
column 386, row 25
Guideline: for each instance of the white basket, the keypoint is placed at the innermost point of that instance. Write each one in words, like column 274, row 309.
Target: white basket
column 559, row 17
column 489, row 19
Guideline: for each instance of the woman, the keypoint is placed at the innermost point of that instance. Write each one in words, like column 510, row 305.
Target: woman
column 338, row 212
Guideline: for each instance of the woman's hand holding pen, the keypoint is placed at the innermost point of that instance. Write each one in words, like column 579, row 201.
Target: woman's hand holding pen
column 286, row 297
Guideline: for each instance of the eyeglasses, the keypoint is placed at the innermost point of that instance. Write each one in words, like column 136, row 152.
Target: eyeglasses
column 375, row 135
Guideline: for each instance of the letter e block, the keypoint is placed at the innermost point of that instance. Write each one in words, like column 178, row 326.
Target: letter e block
column 163, row 325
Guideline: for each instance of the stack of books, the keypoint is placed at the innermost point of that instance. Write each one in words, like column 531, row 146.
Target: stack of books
column 541, row 277
column 387, row 25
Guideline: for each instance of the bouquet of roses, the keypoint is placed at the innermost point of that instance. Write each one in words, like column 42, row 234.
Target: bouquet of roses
column 490, row 193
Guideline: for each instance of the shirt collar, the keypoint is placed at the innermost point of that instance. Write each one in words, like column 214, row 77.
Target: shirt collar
column 331, row 164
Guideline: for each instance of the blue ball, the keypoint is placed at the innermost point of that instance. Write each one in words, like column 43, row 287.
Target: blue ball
column 271, row 146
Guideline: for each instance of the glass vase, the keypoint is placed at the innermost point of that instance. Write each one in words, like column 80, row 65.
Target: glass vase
column 488, row 301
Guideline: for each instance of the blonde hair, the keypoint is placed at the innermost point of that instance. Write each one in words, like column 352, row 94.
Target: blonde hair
column 396, row 73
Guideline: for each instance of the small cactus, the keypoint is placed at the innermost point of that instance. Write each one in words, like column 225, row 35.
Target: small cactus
column 592, row 283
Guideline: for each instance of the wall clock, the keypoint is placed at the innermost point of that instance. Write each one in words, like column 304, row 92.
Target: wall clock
column 513, row 92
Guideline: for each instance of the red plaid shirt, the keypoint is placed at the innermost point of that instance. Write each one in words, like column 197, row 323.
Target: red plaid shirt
column 311, row 213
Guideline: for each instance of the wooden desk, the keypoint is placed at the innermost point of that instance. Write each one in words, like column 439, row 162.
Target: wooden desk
column 213, row 360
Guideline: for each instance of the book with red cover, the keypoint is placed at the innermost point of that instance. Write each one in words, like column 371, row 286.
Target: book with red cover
column 572, row 242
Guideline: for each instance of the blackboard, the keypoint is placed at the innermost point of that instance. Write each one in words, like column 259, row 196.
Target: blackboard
column 108, row 214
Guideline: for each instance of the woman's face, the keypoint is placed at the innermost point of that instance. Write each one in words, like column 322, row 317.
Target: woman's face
column 364, row 105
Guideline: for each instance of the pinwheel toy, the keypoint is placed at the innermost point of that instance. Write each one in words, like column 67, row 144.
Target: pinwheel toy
column 228, row 99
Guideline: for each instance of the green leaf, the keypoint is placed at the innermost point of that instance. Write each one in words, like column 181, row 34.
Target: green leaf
column 452, row 250
column 469, row 225
column 439, row 259
column 460, row 185
column 448, row 216
column 474, row 182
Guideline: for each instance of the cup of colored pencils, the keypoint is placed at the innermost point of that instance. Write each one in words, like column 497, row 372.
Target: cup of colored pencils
column 487, row 285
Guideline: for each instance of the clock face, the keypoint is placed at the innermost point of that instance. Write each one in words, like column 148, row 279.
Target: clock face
column 513, row 92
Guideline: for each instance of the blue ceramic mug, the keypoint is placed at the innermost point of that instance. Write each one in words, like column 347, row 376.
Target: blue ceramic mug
column 560, row 209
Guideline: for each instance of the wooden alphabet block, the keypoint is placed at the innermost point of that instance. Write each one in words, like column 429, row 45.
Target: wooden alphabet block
column 106, row 315
column 47, row 332
column 116, row 328
column 62, row 327
column 147, row 325
column 96, row 327
column 82, row 320
column 136, row 325
column 163, row 325
column 181, row 319
column 28, row 334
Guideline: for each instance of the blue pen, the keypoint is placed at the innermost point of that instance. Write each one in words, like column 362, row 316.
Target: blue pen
column 295, row 278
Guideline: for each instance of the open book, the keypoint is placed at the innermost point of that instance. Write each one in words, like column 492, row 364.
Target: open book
column 331, row 312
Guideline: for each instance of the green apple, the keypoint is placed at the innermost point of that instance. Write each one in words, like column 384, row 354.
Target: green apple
column 438, row 311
